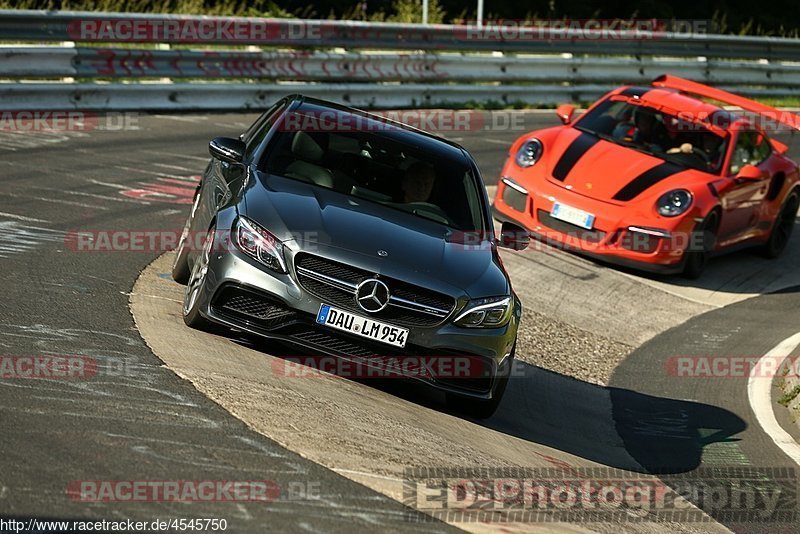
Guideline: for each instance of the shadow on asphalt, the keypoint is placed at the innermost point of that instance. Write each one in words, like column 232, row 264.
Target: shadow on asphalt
column 611, row 426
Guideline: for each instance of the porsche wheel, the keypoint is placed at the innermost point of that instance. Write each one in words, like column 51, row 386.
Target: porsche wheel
column 700, row 247
column 196, row 286
column 782, row 228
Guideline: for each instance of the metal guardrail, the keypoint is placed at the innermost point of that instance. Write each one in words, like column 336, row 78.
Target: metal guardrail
column 381, row 65
column 225, row 96
column 42, row 62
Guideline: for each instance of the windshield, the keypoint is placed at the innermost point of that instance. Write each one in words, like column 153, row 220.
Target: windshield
column 656, row 132
column 433, row 185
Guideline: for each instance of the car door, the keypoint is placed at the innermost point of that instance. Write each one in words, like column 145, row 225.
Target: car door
column 741, row 199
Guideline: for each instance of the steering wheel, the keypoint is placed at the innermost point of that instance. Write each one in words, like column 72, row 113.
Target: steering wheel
column 688, row 148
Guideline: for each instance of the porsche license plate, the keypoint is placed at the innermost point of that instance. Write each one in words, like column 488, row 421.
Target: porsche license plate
column 362, row 326
column 572, row 215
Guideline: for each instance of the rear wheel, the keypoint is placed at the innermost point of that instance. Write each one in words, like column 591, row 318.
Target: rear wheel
column 702, row 243
column 480, row 408
column 196, row 286
column 782, row 228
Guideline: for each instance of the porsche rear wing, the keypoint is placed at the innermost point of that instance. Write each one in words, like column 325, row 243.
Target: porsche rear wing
column 693, row 88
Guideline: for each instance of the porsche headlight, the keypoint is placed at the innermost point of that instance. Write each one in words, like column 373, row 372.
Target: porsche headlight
column 486, row 313
column 259, row 244
column 674, row 203
column 529, row 153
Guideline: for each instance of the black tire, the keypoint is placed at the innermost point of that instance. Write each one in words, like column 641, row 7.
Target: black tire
column 480, row 408
column 702, row 243
column 180, row 267
column 782, row 228
column 196, row 286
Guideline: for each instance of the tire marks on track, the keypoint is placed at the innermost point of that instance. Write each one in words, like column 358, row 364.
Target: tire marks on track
column 20, row 238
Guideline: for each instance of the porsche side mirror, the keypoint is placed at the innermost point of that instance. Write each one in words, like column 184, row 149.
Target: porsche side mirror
column 749, row 173
column 564, row 112
column 514, row 237
column 227, row 149
column 779, row 147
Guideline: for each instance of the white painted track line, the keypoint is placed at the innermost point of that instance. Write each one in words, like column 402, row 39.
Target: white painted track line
column 759, row 392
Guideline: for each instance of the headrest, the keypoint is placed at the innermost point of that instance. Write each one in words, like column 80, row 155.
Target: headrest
column 308, row 148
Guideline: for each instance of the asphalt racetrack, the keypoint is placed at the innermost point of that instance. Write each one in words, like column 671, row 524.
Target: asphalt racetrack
column 596, row 387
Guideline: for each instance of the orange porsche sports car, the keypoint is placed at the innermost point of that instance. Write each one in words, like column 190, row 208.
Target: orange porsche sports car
column 657, row 178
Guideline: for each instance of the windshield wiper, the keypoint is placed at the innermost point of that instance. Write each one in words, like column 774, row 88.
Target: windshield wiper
column 432, row 217
column 596, row 134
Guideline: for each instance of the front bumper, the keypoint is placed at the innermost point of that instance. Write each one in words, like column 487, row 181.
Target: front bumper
column 621, row 235
column 240, row 294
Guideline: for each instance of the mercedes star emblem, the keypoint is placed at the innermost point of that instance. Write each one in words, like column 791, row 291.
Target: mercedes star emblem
column 372, row 295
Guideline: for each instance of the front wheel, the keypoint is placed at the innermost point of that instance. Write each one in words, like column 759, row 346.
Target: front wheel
column 782, row 228
column 196, row 286
column 481, row 408
column 702, row 243
column 180, row 268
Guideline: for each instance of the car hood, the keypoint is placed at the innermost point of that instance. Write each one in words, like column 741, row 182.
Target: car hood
column 605, row 171
column 352, row 231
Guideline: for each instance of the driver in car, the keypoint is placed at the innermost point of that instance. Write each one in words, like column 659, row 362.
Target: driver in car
column 645, row 130
column 417, row 183
column 711, row 147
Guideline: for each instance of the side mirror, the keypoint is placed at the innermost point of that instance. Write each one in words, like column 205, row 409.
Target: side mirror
column 750, row 173
column 227, row 149
column 779, row 147
column 564, row 112
column 514, row 237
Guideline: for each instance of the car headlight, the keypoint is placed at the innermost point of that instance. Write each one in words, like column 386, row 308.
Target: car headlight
column 674, row 203
column 259, row 244
column 486, row 313
column 529, row 153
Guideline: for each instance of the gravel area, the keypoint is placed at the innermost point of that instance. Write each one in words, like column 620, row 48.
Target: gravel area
column 567, row 349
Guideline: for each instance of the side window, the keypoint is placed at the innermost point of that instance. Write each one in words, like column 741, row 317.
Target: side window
column 763, row 147
column 751, row 148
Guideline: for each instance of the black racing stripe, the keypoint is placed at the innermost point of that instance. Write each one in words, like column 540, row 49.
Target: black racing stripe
column 635, row 91
column 572, row 154
column 647, row 179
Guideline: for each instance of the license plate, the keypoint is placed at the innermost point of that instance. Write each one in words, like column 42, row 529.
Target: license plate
column 362, row 326
column 572, row 215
